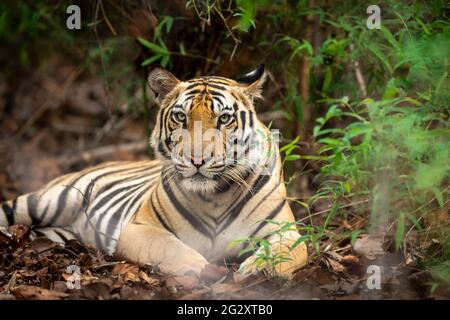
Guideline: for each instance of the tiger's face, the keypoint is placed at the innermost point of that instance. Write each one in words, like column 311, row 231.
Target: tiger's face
column 206, row 128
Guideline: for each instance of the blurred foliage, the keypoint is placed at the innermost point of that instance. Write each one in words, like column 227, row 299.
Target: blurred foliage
column 371, row 124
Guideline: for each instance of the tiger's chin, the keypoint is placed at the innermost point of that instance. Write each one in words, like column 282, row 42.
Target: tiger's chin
column 199, row 183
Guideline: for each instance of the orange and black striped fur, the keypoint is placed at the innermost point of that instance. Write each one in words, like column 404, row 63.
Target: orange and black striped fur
column 177, row 212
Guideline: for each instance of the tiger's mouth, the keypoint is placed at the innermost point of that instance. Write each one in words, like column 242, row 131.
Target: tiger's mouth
column 198, row 182
column 199, row 177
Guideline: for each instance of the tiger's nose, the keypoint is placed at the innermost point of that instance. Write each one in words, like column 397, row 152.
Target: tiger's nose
column 198, row 161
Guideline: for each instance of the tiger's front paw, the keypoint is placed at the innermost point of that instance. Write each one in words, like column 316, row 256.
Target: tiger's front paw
column 253, row 266
column 192, row 266
column 285, row 267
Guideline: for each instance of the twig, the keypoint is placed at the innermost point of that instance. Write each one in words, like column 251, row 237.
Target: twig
column 236, row 40
column 359, row 77
column 329, row 209
column 11, row 283
column 110, row 26
column 107, row 264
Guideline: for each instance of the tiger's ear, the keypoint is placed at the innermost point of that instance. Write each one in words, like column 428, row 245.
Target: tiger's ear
column 161, row 82
column 253, row 81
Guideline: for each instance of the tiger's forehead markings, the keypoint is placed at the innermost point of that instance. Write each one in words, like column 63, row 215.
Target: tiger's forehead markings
column 212, row 92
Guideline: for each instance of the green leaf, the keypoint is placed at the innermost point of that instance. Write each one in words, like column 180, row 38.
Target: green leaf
column 165, row 60
column 182, row 49
column 400, row 231
column 380, row 55
column 389, row 37
column 424, row 26
column 292, row 157
column 298, row 242
column 439, row 198
column 327, row 79
column 235, row 243
column 151, row 59
column 298, row 108
column 331, row 141
column 354, row 236
column 152, row 46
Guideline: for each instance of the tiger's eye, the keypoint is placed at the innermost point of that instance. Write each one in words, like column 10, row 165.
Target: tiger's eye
column 180, row 116
column 224, row 118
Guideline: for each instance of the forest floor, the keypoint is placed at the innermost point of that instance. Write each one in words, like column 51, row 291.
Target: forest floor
column 42, row 269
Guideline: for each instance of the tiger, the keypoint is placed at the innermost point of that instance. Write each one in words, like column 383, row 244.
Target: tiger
column 181, row 211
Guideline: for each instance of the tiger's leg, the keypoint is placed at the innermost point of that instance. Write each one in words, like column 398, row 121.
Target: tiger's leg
column 56, row 234
column 146, row 243
column 284, row 259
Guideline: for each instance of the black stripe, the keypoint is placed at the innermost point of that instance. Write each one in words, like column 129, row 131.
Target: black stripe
column 32, row 204
column 108, row 197
column 44, row 214
column 193, row 92
column 216, row 86
column 265, row 197
column 243, row 120
column 63, row 196
column 14, row 205
column 250, row 116
column 184, row 212
column 260, row 182
column 217, row 78
column 161, row 118
column 200, row 218
column 62, row 236
column 232, row 214
column 163, row 151
column 196, row 84
column 160, row 218
column 136, row 174
column 225, row 186
column 218, row 82
column 131, row 191
column 216, row 93
column 98, row 235
column 9, row 213
column 120, row 213
column 217, row 99
column 271, row 215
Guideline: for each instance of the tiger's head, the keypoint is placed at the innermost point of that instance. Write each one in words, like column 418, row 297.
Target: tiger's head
column 206, row 131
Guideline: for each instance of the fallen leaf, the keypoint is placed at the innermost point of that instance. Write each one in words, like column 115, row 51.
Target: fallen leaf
column 128, row 272
column 42, row 244
column 350, row 259
column 335, row 266
column 149, row 280
column 14, row 236
column 123, row 268
column 36, row 293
